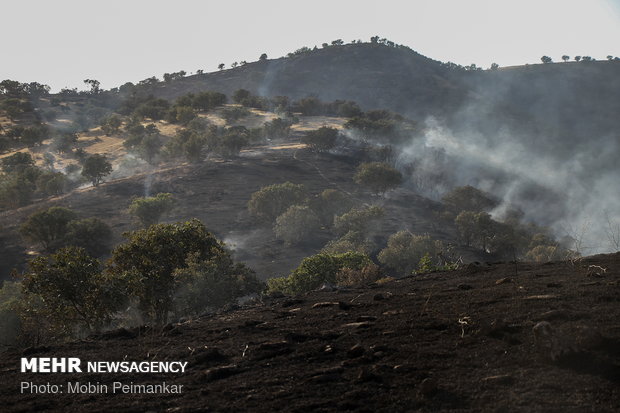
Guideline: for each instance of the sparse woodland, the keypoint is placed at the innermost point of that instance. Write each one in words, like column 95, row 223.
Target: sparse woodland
column 348, row 227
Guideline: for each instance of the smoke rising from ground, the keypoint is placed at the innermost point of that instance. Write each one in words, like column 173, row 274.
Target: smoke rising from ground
column 573, row 192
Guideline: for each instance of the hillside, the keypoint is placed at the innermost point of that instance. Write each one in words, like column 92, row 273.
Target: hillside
column 373, row 75
column 459, row 341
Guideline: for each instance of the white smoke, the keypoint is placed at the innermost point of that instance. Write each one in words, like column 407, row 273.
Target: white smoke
column 571, row 193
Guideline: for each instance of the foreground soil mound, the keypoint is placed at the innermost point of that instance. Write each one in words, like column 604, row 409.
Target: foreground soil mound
column 500, row 337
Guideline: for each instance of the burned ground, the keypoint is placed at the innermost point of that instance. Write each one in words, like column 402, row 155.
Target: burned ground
column 458, row 341
column 217, row 193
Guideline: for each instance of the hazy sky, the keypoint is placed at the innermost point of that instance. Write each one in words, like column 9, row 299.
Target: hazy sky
column 62, row 42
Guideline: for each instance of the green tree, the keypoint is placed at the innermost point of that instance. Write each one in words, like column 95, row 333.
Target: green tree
column 468, row 198
column 92, row 234
column 95, row 167
column 271, row 201
column 329, row 204
column 566, row 58
column 211, row 284
column 73, row 288
column 47, row 227
column 296, row 224
column 65, row 142
column 149, row 210
column 404, row 251
column 378, row 177
column 263, row 57
column 17, row 162
column 357, row 220
column 94, row 86
column 241, row 95
column 317, row 270
column 150, row 258
column 111, row 125
column 231, row 143
column 278, row 128
column 546, row 59
column 15, row 190
column 221, row 66
column 150, row 147
column 322, row 139
column 52, row 183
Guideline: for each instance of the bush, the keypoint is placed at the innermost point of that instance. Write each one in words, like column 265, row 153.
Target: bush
column 150, row 258
column 350, row 277
column 322, row 139
column 211, row 284
column 73, row 288
column 468, row 198
column 272, row 201
column 405, row 250
column 95, row 167
column 15, row 190
column 330, row 203
column 149, row 210
column 17, row 162
column 296, row 224
column 351, row 241
column 277, row 129
column 378, row 177
column 111, row 125
column 65, row 142
column 357, row 220
column 235, row 113
column 317, row 270
column 230, row 144
column 47, row 227
column 52, row 183
column 92, row 234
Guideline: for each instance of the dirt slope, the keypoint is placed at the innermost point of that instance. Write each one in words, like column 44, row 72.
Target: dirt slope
column 459, row 341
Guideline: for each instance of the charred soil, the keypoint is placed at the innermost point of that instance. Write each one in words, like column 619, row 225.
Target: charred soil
column 468, row 340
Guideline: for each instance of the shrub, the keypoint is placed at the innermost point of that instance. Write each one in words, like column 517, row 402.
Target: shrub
column 271, row 201
column 92, row 234
column 351, row 241
column 468, row 198
column 95, row 167
column 235, row 113
column 150, row 257
column 17, row 162
column 230, row 144
column 149, row 210
column 47, row 227
column 64, row 142
column 15, row 190
column 73, row 288
column 351, row 277
column 212, row 283
column 277, row 129
column 322, row 139
column 296, row 224
column 357, row 220
column 111, row 125
column 404, row 251
column 330, row 203
column 52, row 183
column 378, row 177
column 317, row 270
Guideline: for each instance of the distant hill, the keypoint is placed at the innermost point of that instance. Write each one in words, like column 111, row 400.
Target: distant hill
column 547, row 98
column 373, row 75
